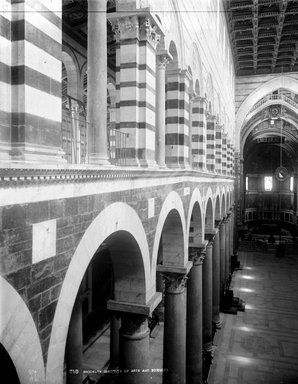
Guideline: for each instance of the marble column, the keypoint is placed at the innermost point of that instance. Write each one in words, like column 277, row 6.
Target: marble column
column 222, row 237
column 162, row 61
column 227, row 250
column 134, row 356
column 216, row 281
column 74, row 346
column 231, row 235
column 207, row 300
column 97, row 83
column 114, row 340
column 194, row 341
column 174, row 353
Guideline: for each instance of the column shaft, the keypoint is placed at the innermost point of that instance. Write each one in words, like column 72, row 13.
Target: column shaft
column 231, row 237
column 174, row 354
column 114, row 340
column 227, row 250
column 160, row 110
column 74, row 347
column 222, row 236
column 216, row 281
column 134, row 349
column 97, row 82
column 194, row 342
column 207, row 300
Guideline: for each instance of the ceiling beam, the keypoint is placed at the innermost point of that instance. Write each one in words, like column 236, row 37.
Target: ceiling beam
column 255, row 21
column 281, row 19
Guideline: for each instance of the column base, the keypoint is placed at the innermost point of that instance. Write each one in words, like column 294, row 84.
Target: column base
column 98, row 159
column 5, row 150
column 140, row 163
column 217, row 324
column 36, row 154
column 208, row 347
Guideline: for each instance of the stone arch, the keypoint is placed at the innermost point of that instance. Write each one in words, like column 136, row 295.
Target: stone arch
column 191, row 82
column 179, row 30
column 223, row 204
column 117, row 222
column 174, row 63
column 74, row 88
column 19, row 337
column 228, row 205
column 210, row 93
column 217, row 215
column 197, row 88
column 173, row 211
column 198, row 71
column 209, row 217
column 282, row 81
column 195, row 218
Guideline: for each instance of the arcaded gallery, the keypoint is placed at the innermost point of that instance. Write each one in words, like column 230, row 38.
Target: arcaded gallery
column 149, row 191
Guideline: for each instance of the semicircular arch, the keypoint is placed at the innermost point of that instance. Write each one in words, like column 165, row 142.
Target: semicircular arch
column 172, row 203
column 283, row 81
column 19, row 336
column 116, row 218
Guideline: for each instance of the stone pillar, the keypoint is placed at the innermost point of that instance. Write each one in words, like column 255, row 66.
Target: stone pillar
column 216, row 281
column 174, row 353
column 231, row 236
column 74, row 345
column 227, row 250
column 137, row 38
column 207, row 300
column 222, row 238
column 162, row 61
column 177, row 120
column 198, row 137
column 114, row 340
column 224, row 154
column 211, row 143
column 218, row 149
column 134, row 349
column 30, row 86
column 97, row 83
column 194, row 332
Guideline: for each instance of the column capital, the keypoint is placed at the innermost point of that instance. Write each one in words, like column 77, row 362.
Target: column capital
column 197, row 255
column 163, row 58
column 210, row 116
column 141, row 24
column 174, row 282
column 149, row 32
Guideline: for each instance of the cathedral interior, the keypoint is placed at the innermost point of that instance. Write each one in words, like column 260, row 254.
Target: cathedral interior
column 149, row 191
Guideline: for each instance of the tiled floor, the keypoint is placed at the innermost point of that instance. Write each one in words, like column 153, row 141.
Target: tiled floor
column 258, row 346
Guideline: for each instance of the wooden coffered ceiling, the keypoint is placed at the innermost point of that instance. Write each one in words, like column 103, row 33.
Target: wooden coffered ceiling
column 264, row 35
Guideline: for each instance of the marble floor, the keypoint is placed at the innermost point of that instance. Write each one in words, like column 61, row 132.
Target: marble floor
column 258, row 346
